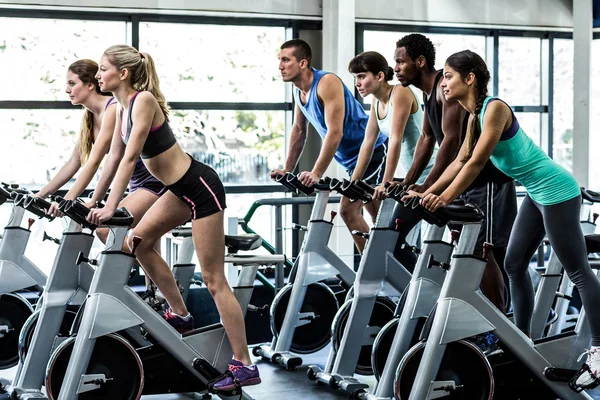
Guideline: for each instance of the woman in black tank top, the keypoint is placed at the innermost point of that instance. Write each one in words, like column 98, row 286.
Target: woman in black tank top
column 195, row 191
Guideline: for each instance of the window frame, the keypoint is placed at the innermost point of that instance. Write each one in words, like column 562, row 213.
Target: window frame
column 133, row 21
column 547, row 37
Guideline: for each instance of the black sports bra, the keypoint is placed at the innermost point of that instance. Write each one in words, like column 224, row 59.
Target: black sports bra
column 159, row 140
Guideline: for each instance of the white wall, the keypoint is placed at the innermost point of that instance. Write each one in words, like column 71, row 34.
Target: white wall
column 290, row 7
column 554, row 13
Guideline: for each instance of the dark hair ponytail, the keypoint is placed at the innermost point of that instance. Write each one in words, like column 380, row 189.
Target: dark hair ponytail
column 389, row 74
column 373, row 62
column 86, row 71
column 466, row 62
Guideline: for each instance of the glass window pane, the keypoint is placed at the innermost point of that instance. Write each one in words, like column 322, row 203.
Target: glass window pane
column 530, row 123
column 216, row 62
column 445, row 46
column 563, row 103
column 39, row 143
column 38, row 51
column 242, row 146
column 519, row 71
column 594, row 165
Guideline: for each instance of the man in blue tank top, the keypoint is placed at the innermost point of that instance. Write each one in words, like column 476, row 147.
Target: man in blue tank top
column 323, row 100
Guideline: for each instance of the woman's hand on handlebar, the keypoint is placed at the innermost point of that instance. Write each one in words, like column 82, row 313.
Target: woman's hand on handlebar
column 380, row 192
column 98, row 215
column 276, row 172
column 308, row 178
column 54, row 211
column 432, row 202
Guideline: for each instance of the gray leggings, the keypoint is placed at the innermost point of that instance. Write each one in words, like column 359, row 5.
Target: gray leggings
column 561, row 223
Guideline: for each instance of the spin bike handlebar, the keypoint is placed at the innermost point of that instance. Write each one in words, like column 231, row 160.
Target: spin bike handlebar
column 591, row 196
column 442, row 216
column 79, row 212
column 12, row 193
column 38, row 206
column 4, row 196
column 352, row 190
column 291, row 182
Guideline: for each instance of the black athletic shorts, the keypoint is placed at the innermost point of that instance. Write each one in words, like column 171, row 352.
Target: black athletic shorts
column 498, row 201
column 374, row 173
column 201, row 189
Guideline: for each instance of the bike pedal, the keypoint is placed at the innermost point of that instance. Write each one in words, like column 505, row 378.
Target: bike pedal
column 559, row 374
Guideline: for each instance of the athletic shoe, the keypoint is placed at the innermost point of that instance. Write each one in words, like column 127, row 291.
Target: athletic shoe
column 235, row 377
column 587, row 377
column 182, row 324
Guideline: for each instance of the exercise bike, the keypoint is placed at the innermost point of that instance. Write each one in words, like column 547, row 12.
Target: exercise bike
column 123, row 348
column 446, row 365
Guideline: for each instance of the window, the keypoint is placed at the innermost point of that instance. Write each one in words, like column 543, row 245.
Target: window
column 445, row 45
column 242, row 146
column 594, row 164
column 218, row 63
column 519, row 71
column 33, row 63
column 36, row 143
column 563, row 103
column 530, row 123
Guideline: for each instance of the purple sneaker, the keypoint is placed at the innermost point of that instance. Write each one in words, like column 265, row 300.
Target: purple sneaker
column 235, row 377
column 182, row 324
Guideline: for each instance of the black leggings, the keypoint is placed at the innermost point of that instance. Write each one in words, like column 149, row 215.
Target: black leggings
column 561, row 223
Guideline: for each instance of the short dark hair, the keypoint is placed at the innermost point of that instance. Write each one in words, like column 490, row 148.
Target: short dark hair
column 302, row 50
column 418, row 45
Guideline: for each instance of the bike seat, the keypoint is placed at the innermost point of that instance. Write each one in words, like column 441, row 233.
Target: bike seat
column 460, row 213
column 592, row 243
column 242, row 242
column 591, row 196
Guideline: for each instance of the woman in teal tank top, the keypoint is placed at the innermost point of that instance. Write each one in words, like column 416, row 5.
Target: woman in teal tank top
column 550, row 208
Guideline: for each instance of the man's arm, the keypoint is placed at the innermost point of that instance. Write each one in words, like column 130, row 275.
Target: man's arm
column 297, row 142
column 423, row 152
column 331, row 93
column 497, row 117
column 453, row 117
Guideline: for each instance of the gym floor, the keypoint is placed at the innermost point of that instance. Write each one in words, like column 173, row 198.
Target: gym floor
column 279, row 383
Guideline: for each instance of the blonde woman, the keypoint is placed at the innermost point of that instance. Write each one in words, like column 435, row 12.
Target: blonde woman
column 194, row 190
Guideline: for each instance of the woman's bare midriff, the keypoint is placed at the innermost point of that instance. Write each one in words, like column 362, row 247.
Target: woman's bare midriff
column 170, row 166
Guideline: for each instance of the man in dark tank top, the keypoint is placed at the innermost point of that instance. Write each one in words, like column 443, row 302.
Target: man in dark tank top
column 445, row 123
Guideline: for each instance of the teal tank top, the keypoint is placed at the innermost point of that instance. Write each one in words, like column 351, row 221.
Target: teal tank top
column 411, row 135
column 355, row 121
column 516, row 155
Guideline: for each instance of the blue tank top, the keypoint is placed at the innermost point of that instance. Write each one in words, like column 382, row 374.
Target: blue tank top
column 355, row 122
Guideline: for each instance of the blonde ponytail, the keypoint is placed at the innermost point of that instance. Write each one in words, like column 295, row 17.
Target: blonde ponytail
column 141, row 69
